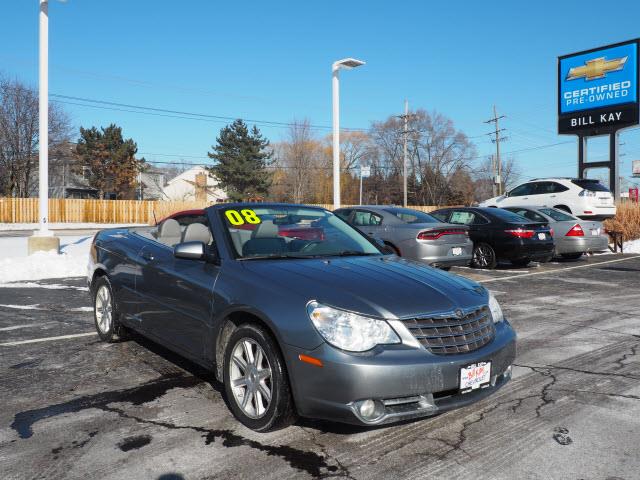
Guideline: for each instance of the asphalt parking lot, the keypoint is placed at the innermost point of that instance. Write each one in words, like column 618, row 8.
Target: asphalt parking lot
column 73, row 407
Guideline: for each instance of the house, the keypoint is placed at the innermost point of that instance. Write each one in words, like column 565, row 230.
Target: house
column 151, row 183
column 194, row 184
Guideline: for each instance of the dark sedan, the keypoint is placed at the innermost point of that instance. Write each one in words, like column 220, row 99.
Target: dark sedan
column 499, row 234
column 413, row 234
column 325, row 326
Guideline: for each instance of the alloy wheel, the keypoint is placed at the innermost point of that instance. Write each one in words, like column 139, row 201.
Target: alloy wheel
column 104, row 309
column 483, row 256
column 250, row 376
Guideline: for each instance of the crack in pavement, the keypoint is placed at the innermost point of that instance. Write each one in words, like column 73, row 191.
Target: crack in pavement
column 577, row 370
column 620, row 395
column 634, row 351
column 342, row 472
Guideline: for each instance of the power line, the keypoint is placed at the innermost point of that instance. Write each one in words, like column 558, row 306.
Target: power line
column 182, row 114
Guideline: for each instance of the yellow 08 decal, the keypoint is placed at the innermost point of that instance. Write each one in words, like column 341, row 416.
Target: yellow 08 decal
column 245, row 215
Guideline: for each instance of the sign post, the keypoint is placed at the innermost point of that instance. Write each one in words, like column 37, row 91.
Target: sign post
column 364, row 172
column 598, row 95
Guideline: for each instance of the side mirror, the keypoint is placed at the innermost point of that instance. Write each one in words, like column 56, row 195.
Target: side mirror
column 189, row 250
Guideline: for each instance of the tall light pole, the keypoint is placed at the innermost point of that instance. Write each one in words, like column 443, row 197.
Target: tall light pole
column 347, row 64
column 43, row 239
column 43, row 117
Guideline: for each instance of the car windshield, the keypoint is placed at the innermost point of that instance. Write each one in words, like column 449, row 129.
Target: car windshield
column 267, row 232
column 557, row 215
column 591, row 185
column 408, row 215
column 507, row 216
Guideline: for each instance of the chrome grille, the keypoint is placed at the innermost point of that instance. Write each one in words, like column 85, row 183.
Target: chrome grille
column 451, row 334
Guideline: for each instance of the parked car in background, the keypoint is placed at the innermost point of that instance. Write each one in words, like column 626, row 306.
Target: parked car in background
column 499, row 234
column 583, row 197
column 329, row 328
column 572, row 236
column 413, row 234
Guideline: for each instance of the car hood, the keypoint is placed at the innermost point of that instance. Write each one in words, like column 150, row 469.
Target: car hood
column 380, row 286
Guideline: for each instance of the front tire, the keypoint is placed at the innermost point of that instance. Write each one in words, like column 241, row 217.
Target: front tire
column 105, row 312
column 256, row 381
column 484, row 256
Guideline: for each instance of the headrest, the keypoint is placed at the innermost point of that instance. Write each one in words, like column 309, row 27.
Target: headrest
column 197, row 232
column 266, row 229
column 169, row 228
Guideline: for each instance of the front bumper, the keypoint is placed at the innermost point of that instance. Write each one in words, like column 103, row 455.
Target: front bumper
column 410, row 382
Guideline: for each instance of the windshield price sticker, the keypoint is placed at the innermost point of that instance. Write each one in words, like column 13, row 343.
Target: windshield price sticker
column 241, row 217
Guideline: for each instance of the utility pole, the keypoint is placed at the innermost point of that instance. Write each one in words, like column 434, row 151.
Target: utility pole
column 405, row 134
column 497, row 140
column 404, row 154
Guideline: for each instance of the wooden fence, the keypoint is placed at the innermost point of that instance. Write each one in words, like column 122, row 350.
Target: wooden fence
column 25, row 210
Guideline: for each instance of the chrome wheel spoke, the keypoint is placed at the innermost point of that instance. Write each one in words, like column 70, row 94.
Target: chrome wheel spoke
column 239, row 362
column 240, row 382
column 265, row 392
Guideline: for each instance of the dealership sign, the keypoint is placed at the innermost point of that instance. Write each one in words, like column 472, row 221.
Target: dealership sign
column 598, row 89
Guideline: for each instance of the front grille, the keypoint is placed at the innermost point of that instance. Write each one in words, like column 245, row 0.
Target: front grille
column 451, row 334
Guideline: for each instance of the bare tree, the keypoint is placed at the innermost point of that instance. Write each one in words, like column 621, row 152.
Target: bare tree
column 483, row 177
column 19, row 136
column 299, row 156
column 436, row 152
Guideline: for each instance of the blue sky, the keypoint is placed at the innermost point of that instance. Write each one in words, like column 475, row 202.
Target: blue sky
column 271, row 61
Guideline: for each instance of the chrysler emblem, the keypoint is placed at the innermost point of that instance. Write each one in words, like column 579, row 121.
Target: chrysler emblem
column 459, row 313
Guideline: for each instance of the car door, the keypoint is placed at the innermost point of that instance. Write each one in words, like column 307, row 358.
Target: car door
column 178, row 299
column 369, row 222
column 518, row 195
column 477, row 223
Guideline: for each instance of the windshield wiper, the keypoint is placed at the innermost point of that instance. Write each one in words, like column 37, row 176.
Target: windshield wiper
column 352, row 253
column 275, row 256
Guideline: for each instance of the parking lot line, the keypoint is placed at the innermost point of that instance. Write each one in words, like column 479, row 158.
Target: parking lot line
column 556, row 270
column 46, row 339
column 28, row 325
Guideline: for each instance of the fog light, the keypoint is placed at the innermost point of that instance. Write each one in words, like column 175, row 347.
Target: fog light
column 370, row 410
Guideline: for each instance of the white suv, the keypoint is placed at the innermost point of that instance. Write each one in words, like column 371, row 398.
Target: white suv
column 583, row 197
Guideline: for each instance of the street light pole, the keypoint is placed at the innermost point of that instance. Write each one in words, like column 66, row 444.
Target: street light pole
column 43, row 239
column 336, row 136
column 347, row 64
column 43, row 119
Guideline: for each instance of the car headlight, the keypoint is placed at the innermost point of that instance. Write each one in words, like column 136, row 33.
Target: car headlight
column 496, row 310
column 350, row 331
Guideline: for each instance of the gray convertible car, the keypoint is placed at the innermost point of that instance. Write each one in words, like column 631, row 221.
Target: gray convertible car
column 572, row 236
column 413, row 234
column 298, row 313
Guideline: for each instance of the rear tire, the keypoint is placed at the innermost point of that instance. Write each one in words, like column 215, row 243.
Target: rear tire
column 256, row 380
column 105, row 312
column 484, row 256
column 571, row 256
column 522, row 262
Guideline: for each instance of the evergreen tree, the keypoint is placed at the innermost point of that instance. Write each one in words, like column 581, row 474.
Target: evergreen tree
column 243, row 158
column 109, row 160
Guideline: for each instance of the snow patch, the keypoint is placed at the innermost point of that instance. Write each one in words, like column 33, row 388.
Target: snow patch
column 632, row 247
column 68, row 226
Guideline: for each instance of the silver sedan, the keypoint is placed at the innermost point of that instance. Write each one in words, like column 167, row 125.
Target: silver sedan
column 572, row 236
column 413, row 234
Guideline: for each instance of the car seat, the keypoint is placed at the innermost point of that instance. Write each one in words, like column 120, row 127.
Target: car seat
column 264, row 240
column 169, row 232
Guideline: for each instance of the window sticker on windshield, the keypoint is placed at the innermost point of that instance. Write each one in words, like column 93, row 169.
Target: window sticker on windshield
column 245, row 215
